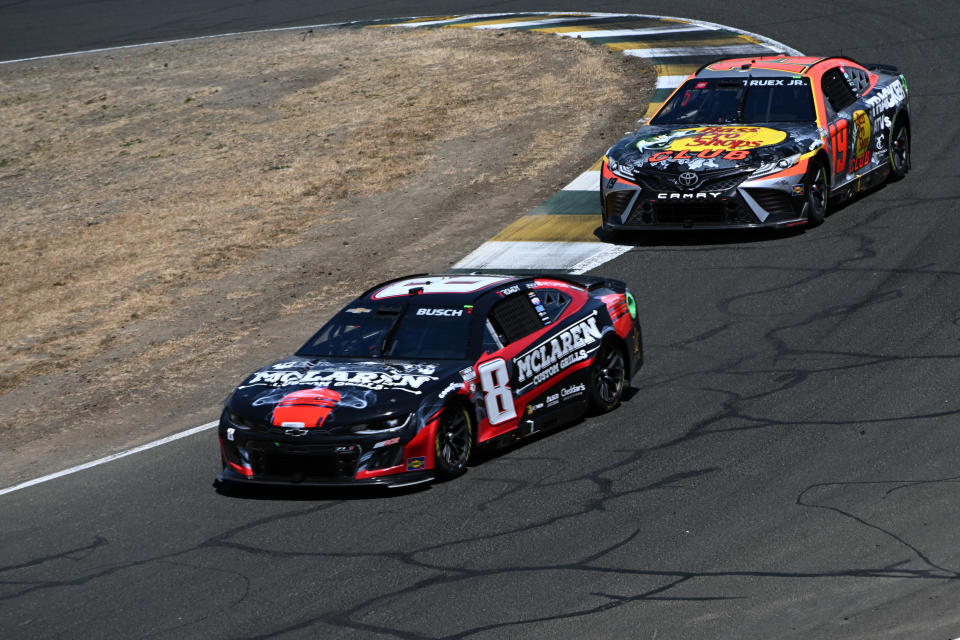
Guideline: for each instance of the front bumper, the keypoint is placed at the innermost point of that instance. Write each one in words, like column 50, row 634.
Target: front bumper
column 733, row 201
column 319, row 458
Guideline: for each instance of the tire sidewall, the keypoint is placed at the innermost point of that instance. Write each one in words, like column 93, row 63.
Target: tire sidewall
column 597, row 403
column 444, row 470
column 814, row 216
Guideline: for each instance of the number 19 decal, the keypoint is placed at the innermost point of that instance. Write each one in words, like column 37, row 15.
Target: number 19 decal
column 497, row 395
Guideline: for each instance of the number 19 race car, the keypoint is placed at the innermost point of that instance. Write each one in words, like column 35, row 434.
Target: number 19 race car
column 401, row 385
column 759, row 142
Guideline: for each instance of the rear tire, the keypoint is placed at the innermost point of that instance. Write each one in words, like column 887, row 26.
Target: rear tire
column 899, row 151
column 608, row 377
column 453, row 442
column 817, row 192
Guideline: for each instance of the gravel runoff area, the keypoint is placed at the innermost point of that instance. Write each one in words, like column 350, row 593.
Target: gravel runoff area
column 174, row 216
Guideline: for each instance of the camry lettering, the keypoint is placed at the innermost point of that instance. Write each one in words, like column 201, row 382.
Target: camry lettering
column 703, row 195
column 556, row 354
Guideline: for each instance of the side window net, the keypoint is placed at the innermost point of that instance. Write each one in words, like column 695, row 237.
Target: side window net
column 514, row 317
column 837, row 90
column 554, row 302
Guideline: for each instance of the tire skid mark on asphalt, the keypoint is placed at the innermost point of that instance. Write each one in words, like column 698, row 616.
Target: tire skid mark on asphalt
column 559, row 234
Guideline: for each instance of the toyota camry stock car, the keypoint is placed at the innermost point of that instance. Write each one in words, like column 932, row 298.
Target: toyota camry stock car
column 402, row 384
column 759, row 142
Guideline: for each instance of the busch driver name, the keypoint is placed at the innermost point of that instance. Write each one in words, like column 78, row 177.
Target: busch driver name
column 553, row 356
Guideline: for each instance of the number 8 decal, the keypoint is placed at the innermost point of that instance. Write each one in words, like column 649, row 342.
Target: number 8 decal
column 497, row 395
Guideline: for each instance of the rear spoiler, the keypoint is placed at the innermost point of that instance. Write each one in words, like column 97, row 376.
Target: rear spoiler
column 885, row 68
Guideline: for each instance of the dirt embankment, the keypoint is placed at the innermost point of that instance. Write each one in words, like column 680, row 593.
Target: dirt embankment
column 174, row 216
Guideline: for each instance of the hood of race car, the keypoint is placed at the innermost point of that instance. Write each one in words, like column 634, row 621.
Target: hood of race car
column 329, row 392
column 710, row 147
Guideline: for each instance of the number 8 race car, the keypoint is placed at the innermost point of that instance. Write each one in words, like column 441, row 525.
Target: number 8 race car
column 402, row 384
column 759, row 142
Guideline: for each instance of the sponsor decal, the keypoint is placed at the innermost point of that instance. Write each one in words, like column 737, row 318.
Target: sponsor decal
column 375, row 380
column 685, row 155
column 861, row 148
column 555, row 354
column 703, row 195
column 505, row 292
column 230, row 433
column 552, row 399
column 448, row 313
column 357, row 310
column 891, row 96
column 798, row 189
column 534, row 407
column 386, row 443
column 573, row 391
column 724, row 138
column 413, row 464
column 468, row 374
column 304, row 409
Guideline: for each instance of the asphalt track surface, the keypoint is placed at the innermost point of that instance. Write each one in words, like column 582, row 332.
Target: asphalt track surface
column 787, row 466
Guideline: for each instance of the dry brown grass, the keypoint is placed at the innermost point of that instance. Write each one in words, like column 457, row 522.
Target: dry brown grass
column 132, row 180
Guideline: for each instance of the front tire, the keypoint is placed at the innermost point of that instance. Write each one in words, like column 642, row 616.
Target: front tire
column 818, row 193
column 453, row 442
column 608, row 377
column 899, row 151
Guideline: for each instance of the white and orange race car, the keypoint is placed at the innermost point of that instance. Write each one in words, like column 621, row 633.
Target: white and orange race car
column 759, row 142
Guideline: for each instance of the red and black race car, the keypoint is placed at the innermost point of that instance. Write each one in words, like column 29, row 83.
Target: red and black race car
column 759, row 142
column 401, row 385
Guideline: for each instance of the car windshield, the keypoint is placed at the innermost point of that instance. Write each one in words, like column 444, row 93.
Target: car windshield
column 401, row 331
column 741, row 101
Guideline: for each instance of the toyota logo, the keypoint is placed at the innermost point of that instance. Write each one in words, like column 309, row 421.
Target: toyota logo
column 688, row 179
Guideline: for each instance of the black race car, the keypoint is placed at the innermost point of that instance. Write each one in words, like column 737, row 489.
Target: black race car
column 759, row 142
column 401, row 385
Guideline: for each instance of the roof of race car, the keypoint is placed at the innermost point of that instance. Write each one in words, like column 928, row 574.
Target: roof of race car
column 448, row 288
column 764, row 66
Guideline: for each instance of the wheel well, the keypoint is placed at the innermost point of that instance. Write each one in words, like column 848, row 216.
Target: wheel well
column 822, row 158
column 462, row 402
column 902, row 116
column 616, row 341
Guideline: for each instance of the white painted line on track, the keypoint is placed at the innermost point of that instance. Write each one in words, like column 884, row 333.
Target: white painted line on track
column 110, row 458
column 670, row 82
column 586, row 181
column 722, row 51
column 529, row 254
column 535, row 22
column 621, row 33
column 608, row 253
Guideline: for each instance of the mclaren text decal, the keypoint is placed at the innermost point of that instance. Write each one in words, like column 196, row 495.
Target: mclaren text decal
column 552, row 356
column 376, row 380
